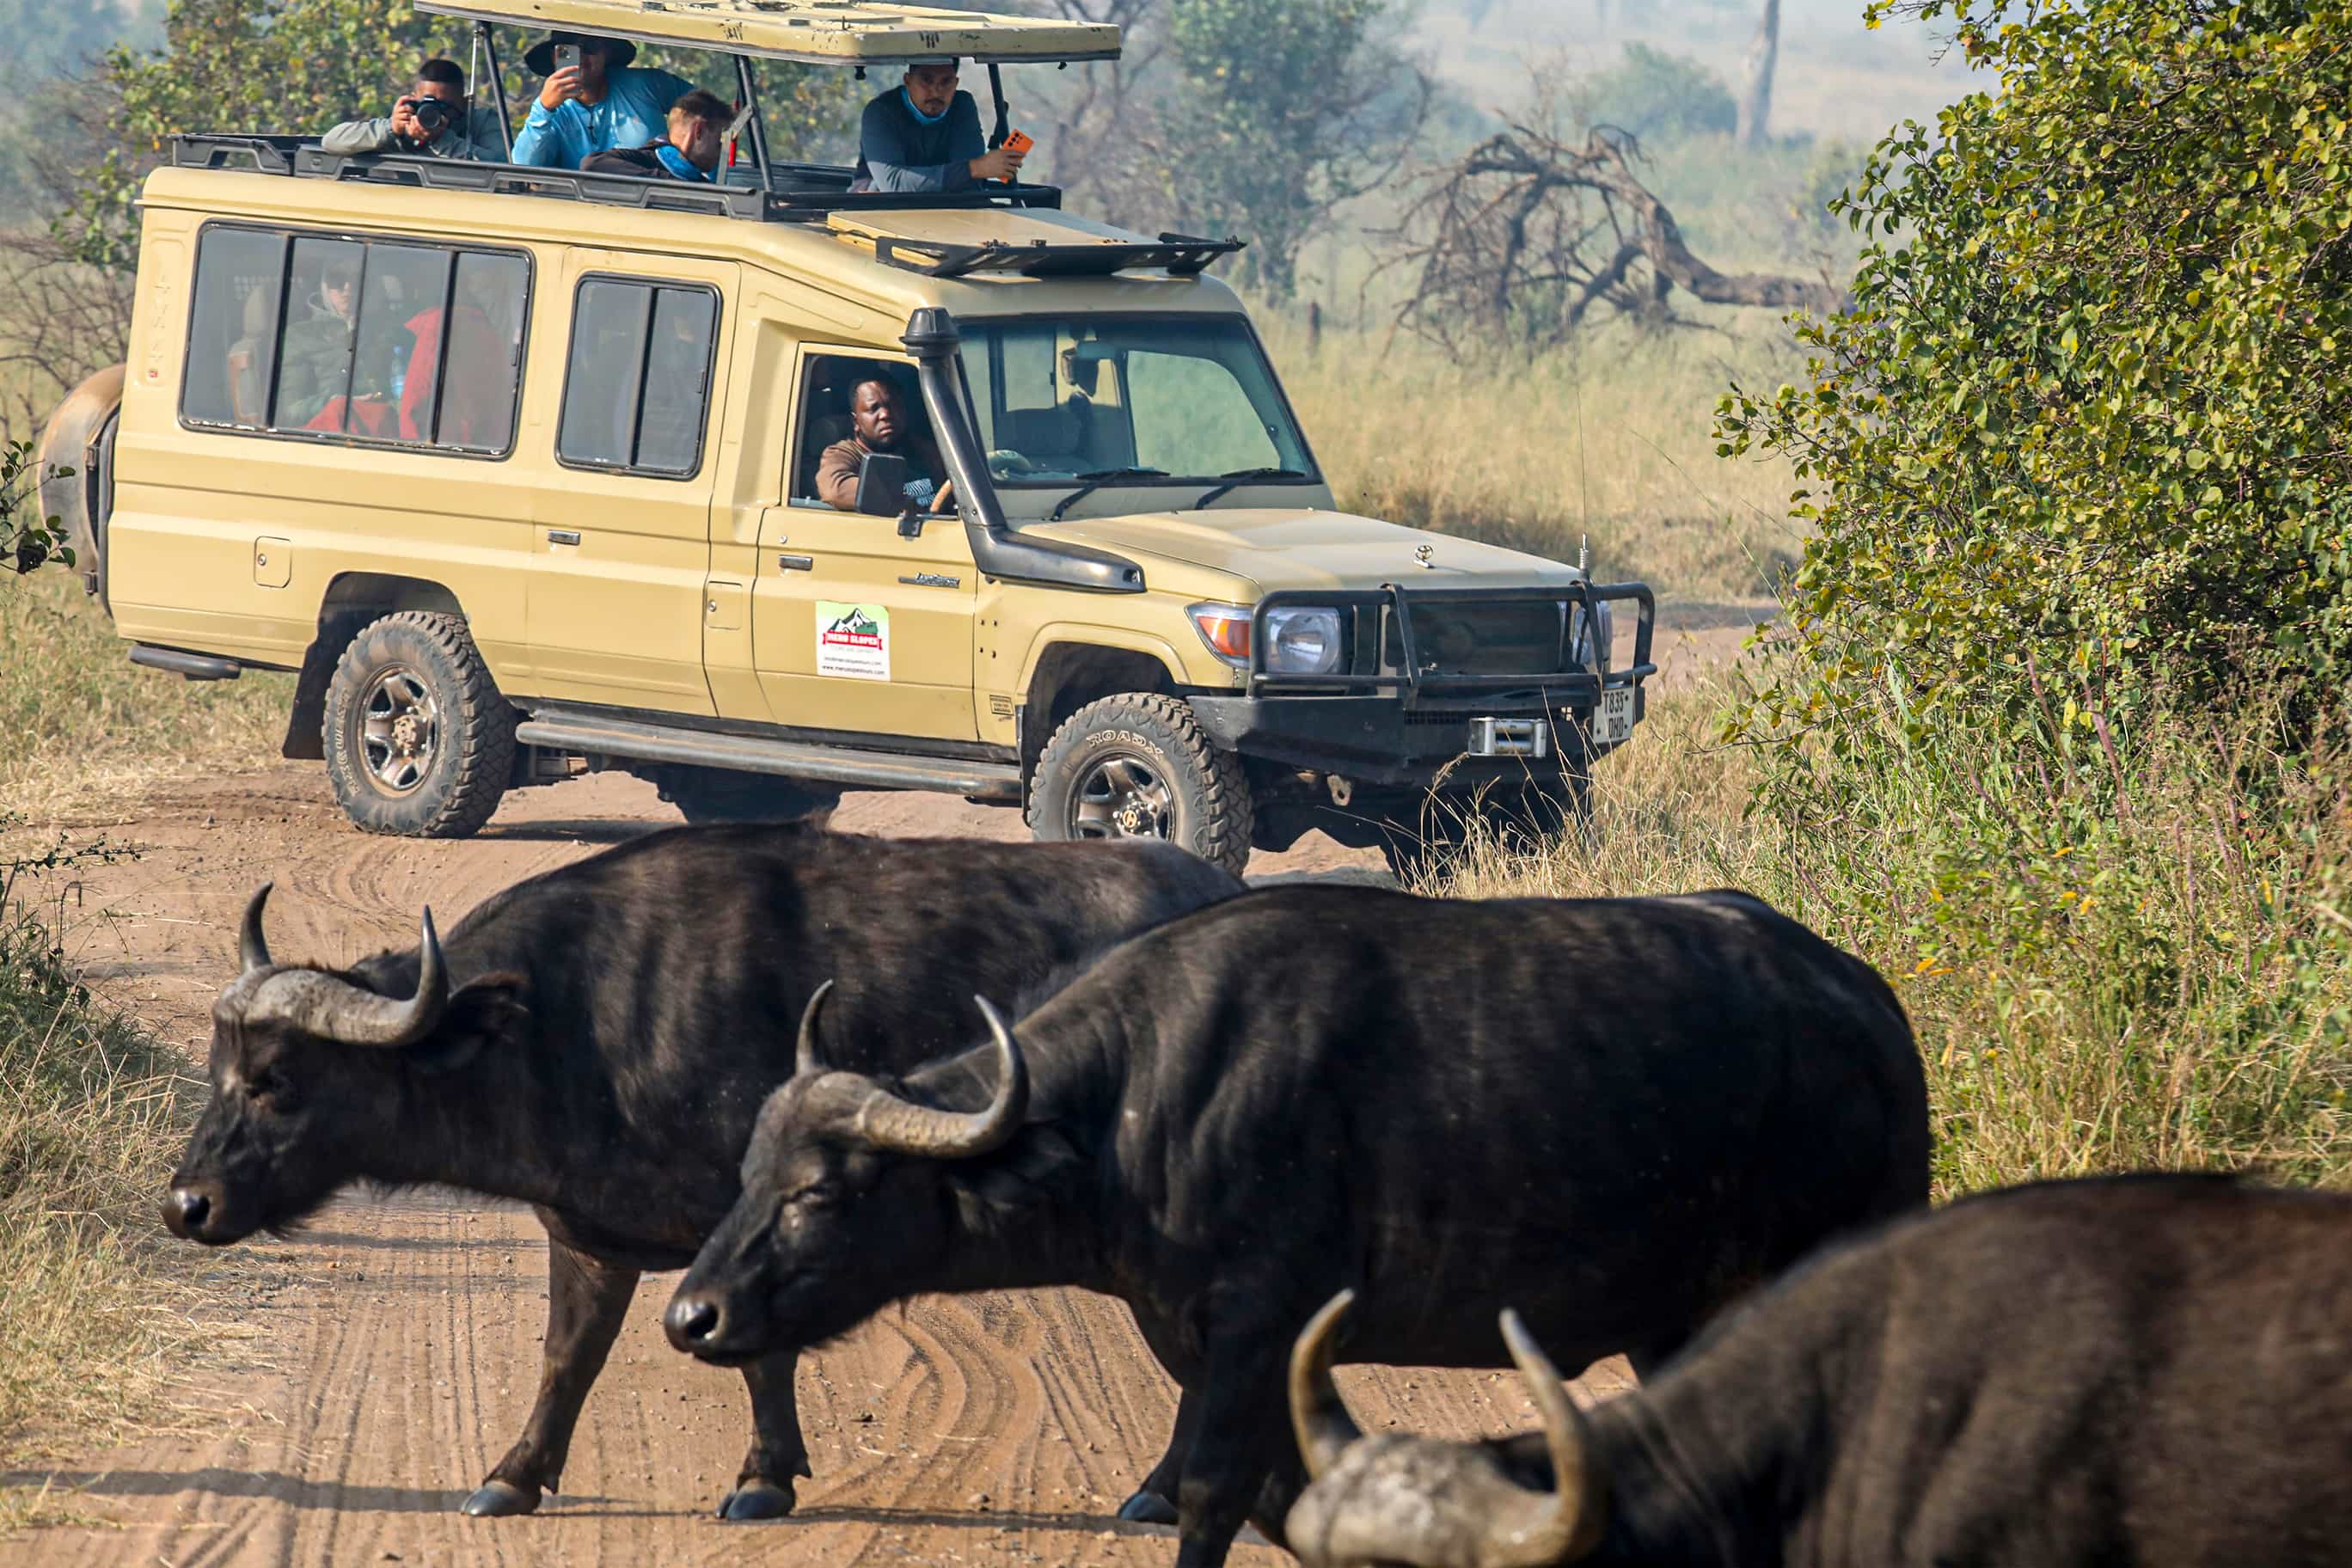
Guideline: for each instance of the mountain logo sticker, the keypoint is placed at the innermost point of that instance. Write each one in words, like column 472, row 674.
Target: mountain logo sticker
column 852, row 640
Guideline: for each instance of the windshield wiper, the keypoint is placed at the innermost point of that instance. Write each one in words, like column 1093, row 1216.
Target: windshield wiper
column 1238, row 478
column 1097, row 479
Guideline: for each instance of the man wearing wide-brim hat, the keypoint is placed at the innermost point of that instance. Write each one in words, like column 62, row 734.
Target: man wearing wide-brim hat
column 602, row 103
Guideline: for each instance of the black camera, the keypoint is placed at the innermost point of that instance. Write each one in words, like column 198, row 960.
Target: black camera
column 432, row 114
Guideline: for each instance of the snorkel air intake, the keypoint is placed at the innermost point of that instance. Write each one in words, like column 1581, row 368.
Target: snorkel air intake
column 997, row 548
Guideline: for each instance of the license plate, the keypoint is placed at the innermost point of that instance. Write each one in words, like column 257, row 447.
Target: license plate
column 1612, row 720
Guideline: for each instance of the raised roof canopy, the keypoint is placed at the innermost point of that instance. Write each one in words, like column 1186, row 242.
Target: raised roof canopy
column 814, row 32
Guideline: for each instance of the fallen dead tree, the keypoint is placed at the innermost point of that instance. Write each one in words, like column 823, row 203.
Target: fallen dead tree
column 1526, row 234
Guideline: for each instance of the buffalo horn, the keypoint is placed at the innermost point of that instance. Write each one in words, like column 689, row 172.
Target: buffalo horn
column 1534, row 1528
column 318, row 1004
column 251, row 946
column 805, row 1056
column 886, row 1121
column 1318, row 1414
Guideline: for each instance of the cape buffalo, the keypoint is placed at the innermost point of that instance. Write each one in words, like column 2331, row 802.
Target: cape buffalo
column 1618, row 1113
column 2153, row 1371
column 596, row 1042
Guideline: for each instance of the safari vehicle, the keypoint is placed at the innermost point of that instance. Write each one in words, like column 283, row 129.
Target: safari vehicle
column 538, row 495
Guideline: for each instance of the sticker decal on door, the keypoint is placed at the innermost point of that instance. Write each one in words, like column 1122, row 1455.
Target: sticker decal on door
column 852, row 640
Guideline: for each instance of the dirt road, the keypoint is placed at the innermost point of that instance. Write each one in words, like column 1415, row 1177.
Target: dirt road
column 374, row 1368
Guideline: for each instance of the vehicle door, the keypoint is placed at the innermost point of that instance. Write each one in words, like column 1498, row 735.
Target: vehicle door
column 857, row 628
column 617, row 604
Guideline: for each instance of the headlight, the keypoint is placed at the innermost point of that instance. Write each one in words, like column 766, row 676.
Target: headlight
column 1590, row 651
column 1300, row 640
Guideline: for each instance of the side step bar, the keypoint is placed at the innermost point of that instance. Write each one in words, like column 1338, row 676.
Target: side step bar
column 793, row 758
column 194, row 665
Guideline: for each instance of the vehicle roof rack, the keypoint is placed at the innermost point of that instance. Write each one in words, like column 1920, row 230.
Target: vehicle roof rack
column 795, row 193
column 1182, row 255
column 813, row 32
column 241, row 152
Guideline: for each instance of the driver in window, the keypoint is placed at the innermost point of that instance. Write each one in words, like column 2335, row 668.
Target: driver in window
column 878, row 415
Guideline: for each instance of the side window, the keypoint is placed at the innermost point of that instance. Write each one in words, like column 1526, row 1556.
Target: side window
column 481, row 357
column 638, row 387
column 827, row 395
column 233, row 344
column 311, row 335
column 314, row 354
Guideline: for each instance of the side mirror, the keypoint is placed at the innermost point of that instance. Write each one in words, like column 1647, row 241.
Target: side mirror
column 882, row 481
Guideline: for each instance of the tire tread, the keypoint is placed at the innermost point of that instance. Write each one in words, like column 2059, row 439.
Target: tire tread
column 482, row 729
column 1222, row 835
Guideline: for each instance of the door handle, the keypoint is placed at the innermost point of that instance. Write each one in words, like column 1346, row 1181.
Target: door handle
column 797, row 563
column 564, row 536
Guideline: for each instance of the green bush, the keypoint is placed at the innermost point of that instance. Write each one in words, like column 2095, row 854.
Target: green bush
column 2086, row 422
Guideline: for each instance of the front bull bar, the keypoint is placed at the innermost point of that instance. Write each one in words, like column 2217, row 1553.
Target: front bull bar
column 1562, row 688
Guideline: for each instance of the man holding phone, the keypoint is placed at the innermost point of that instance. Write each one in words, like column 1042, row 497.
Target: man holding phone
column 924, row 135
column 592, row 101
column 433, row 120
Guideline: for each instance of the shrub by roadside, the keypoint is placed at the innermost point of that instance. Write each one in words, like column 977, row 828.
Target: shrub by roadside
column 2147, row 964
column 91, row 1109
column 83, row 721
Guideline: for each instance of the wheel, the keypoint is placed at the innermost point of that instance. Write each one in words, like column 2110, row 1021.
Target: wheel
column 1422, row 846
column 419, row 741
column 717, row 795
column 1140, row 767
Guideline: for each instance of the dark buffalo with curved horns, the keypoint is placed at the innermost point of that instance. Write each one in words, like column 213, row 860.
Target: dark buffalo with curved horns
column 597, row 1041
column 1620, row 1114
column 2153, row 1371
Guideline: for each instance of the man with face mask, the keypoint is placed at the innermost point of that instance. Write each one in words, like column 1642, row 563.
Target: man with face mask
column 924, row 135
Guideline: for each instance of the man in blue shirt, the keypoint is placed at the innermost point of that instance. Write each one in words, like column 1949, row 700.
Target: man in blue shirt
column 697, row 128
column 599, row 105
column 924, row 135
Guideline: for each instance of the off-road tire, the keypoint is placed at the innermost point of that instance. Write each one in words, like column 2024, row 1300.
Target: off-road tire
column 705, row 796
column 472, row 741
column 1207, row 796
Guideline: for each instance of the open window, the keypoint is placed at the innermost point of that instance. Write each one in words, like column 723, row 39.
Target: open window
column 828, row 390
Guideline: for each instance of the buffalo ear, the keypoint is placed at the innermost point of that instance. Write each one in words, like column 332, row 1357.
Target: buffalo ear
column 483, row 1012
column 1017, row 1180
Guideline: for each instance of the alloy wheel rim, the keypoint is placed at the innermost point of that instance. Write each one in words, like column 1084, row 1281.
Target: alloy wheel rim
column 1121, row 796
column 400, row 727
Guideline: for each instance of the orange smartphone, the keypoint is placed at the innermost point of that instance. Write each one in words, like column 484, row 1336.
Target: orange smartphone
column 1019, row 142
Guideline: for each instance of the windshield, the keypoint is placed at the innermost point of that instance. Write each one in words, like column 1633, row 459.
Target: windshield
column 1132, row 400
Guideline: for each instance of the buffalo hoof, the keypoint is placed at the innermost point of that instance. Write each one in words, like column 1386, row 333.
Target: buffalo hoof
column 496, row 1499
column 1147, row 1507
column 761, row 1499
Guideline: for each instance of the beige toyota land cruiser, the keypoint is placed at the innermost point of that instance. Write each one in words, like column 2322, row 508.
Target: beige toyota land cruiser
column 518, row 470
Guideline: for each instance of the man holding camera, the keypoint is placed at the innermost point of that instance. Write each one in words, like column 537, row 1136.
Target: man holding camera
column 432, row 121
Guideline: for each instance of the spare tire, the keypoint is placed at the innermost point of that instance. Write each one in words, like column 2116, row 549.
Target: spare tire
column 76, row 472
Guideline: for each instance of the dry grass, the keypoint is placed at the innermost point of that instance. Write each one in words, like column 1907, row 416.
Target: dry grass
column 1611, row 441
column 2169, row 988
column 82, row 721
column 93, row 1301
